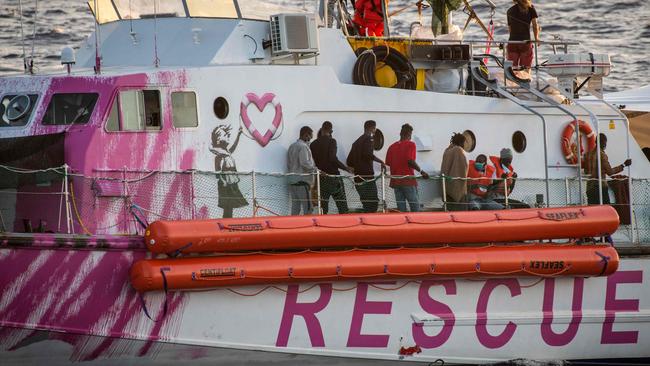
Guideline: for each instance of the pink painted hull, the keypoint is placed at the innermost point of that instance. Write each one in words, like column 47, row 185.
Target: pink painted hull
column 76, row 293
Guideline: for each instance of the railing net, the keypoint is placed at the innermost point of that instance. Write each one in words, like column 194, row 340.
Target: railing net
column 122, row 202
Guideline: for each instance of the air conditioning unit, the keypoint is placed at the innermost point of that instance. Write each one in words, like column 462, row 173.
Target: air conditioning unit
column 294, row 33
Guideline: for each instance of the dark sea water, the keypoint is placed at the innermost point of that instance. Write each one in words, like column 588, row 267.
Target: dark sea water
column 620, row 28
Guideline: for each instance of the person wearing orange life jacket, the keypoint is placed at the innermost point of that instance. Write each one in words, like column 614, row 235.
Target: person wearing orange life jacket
column 480, row 174
column 504, row 176
column 369, row 17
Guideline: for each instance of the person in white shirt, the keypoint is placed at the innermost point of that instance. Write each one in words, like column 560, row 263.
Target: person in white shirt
column 301, row 163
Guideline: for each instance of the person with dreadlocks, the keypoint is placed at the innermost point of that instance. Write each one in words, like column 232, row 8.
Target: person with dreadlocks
column 454, row 168
column 230, row 197
column 520, row 18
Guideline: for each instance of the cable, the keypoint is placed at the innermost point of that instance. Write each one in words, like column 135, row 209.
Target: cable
column 366, row 66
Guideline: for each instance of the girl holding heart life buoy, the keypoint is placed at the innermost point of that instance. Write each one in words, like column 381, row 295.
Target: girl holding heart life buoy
column 230, row 197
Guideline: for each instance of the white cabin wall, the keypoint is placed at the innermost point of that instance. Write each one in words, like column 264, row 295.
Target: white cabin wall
column 175, row 42
column 309, row 95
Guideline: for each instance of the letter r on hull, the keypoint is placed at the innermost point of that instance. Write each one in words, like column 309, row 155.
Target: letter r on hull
column 307, row 311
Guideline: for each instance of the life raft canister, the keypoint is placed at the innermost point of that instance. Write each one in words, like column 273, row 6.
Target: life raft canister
column 569, row 147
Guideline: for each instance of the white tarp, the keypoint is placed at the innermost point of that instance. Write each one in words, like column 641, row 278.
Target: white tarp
column 634, row 100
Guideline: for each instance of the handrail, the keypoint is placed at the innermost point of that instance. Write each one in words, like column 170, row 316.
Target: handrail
column 474, row 65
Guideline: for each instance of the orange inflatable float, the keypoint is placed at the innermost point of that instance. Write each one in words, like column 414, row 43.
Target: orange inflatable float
column 546, row 260
column 396, row 229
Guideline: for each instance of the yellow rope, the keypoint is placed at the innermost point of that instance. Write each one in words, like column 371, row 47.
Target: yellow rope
column 76, row 212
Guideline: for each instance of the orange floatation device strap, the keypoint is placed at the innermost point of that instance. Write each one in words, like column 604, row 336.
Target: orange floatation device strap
column 392, row 229
column 542, row 260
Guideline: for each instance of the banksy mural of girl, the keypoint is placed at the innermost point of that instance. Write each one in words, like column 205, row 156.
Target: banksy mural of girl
column 230, row 197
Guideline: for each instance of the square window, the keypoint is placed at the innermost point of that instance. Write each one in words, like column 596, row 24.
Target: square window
column 184, row 112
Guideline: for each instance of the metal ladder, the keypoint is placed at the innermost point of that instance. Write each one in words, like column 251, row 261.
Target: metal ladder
column 533, row 109
column 550, row 103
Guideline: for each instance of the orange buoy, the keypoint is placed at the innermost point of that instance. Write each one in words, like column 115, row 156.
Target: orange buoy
column 546, row 260
column 569, row 148
column 394, row 229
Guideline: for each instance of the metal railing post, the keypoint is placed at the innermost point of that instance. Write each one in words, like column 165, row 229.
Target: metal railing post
column 66, row 192
column 383, row 190
column 536, row 64
column 566, row 189
column 61, row 199
column 254, row 192
column 126, row 201
column 505, row 190
column 444, row 192
column 318, row 205
column 193, row 194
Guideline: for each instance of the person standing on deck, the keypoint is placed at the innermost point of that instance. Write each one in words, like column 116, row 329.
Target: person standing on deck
column 323, row 150
column 454, row 168
column 361, row 158
column 520, row 18
column 606, row 169
column 301, row 163
column 400, row 157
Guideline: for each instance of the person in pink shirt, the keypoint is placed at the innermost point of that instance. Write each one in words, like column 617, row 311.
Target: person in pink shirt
column 400, row 157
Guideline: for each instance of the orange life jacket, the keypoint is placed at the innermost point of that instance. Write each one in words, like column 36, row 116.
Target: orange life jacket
column 368, row 16
column 500, row 188
column 479, row 181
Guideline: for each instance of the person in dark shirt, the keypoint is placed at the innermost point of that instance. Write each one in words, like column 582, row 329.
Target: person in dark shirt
column 520, row 18
column 361, row 158
column 323, row 150
column 593, row 196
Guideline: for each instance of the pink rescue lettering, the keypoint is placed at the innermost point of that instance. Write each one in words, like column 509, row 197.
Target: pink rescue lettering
column 484, row 337
column 438, row 309
column 362, row 307
column 612, row 305
column 307, row 311
column 561, row 339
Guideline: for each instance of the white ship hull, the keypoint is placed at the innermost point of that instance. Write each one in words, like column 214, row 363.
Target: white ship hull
column 77, row 293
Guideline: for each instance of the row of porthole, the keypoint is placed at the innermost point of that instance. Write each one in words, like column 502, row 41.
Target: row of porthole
column 221, row 110
column 518, row 141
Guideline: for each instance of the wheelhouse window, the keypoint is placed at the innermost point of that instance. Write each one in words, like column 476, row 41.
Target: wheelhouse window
column 70, row 108
column 184, row 109
column 112, row 10
column 16, row 109
column 135, row 110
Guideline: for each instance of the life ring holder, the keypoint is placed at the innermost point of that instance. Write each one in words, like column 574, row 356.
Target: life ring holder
column 569, row 148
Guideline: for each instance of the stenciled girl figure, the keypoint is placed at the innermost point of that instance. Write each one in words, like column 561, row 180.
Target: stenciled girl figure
column 230, row 197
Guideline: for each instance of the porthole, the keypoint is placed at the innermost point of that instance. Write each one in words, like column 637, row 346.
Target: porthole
column 519, row 141
column 378, row 139
column 470, row 141
column 221, row 108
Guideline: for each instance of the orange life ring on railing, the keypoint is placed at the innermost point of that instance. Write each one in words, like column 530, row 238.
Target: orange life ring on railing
column 569, row 148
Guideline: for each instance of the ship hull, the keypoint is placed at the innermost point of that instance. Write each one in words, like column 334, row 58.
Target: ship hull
column 81, row 294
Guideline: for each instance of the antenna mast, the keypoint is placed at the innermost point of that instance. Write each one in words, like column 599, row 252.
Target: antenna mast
column 30, row 66
column 98, row 58
column 156, row 60
column 22, row 35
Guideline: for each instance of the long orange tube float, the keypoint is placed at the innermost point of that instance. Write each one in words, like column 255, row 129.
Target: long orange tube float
column 545, row 260
column 397, row 229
